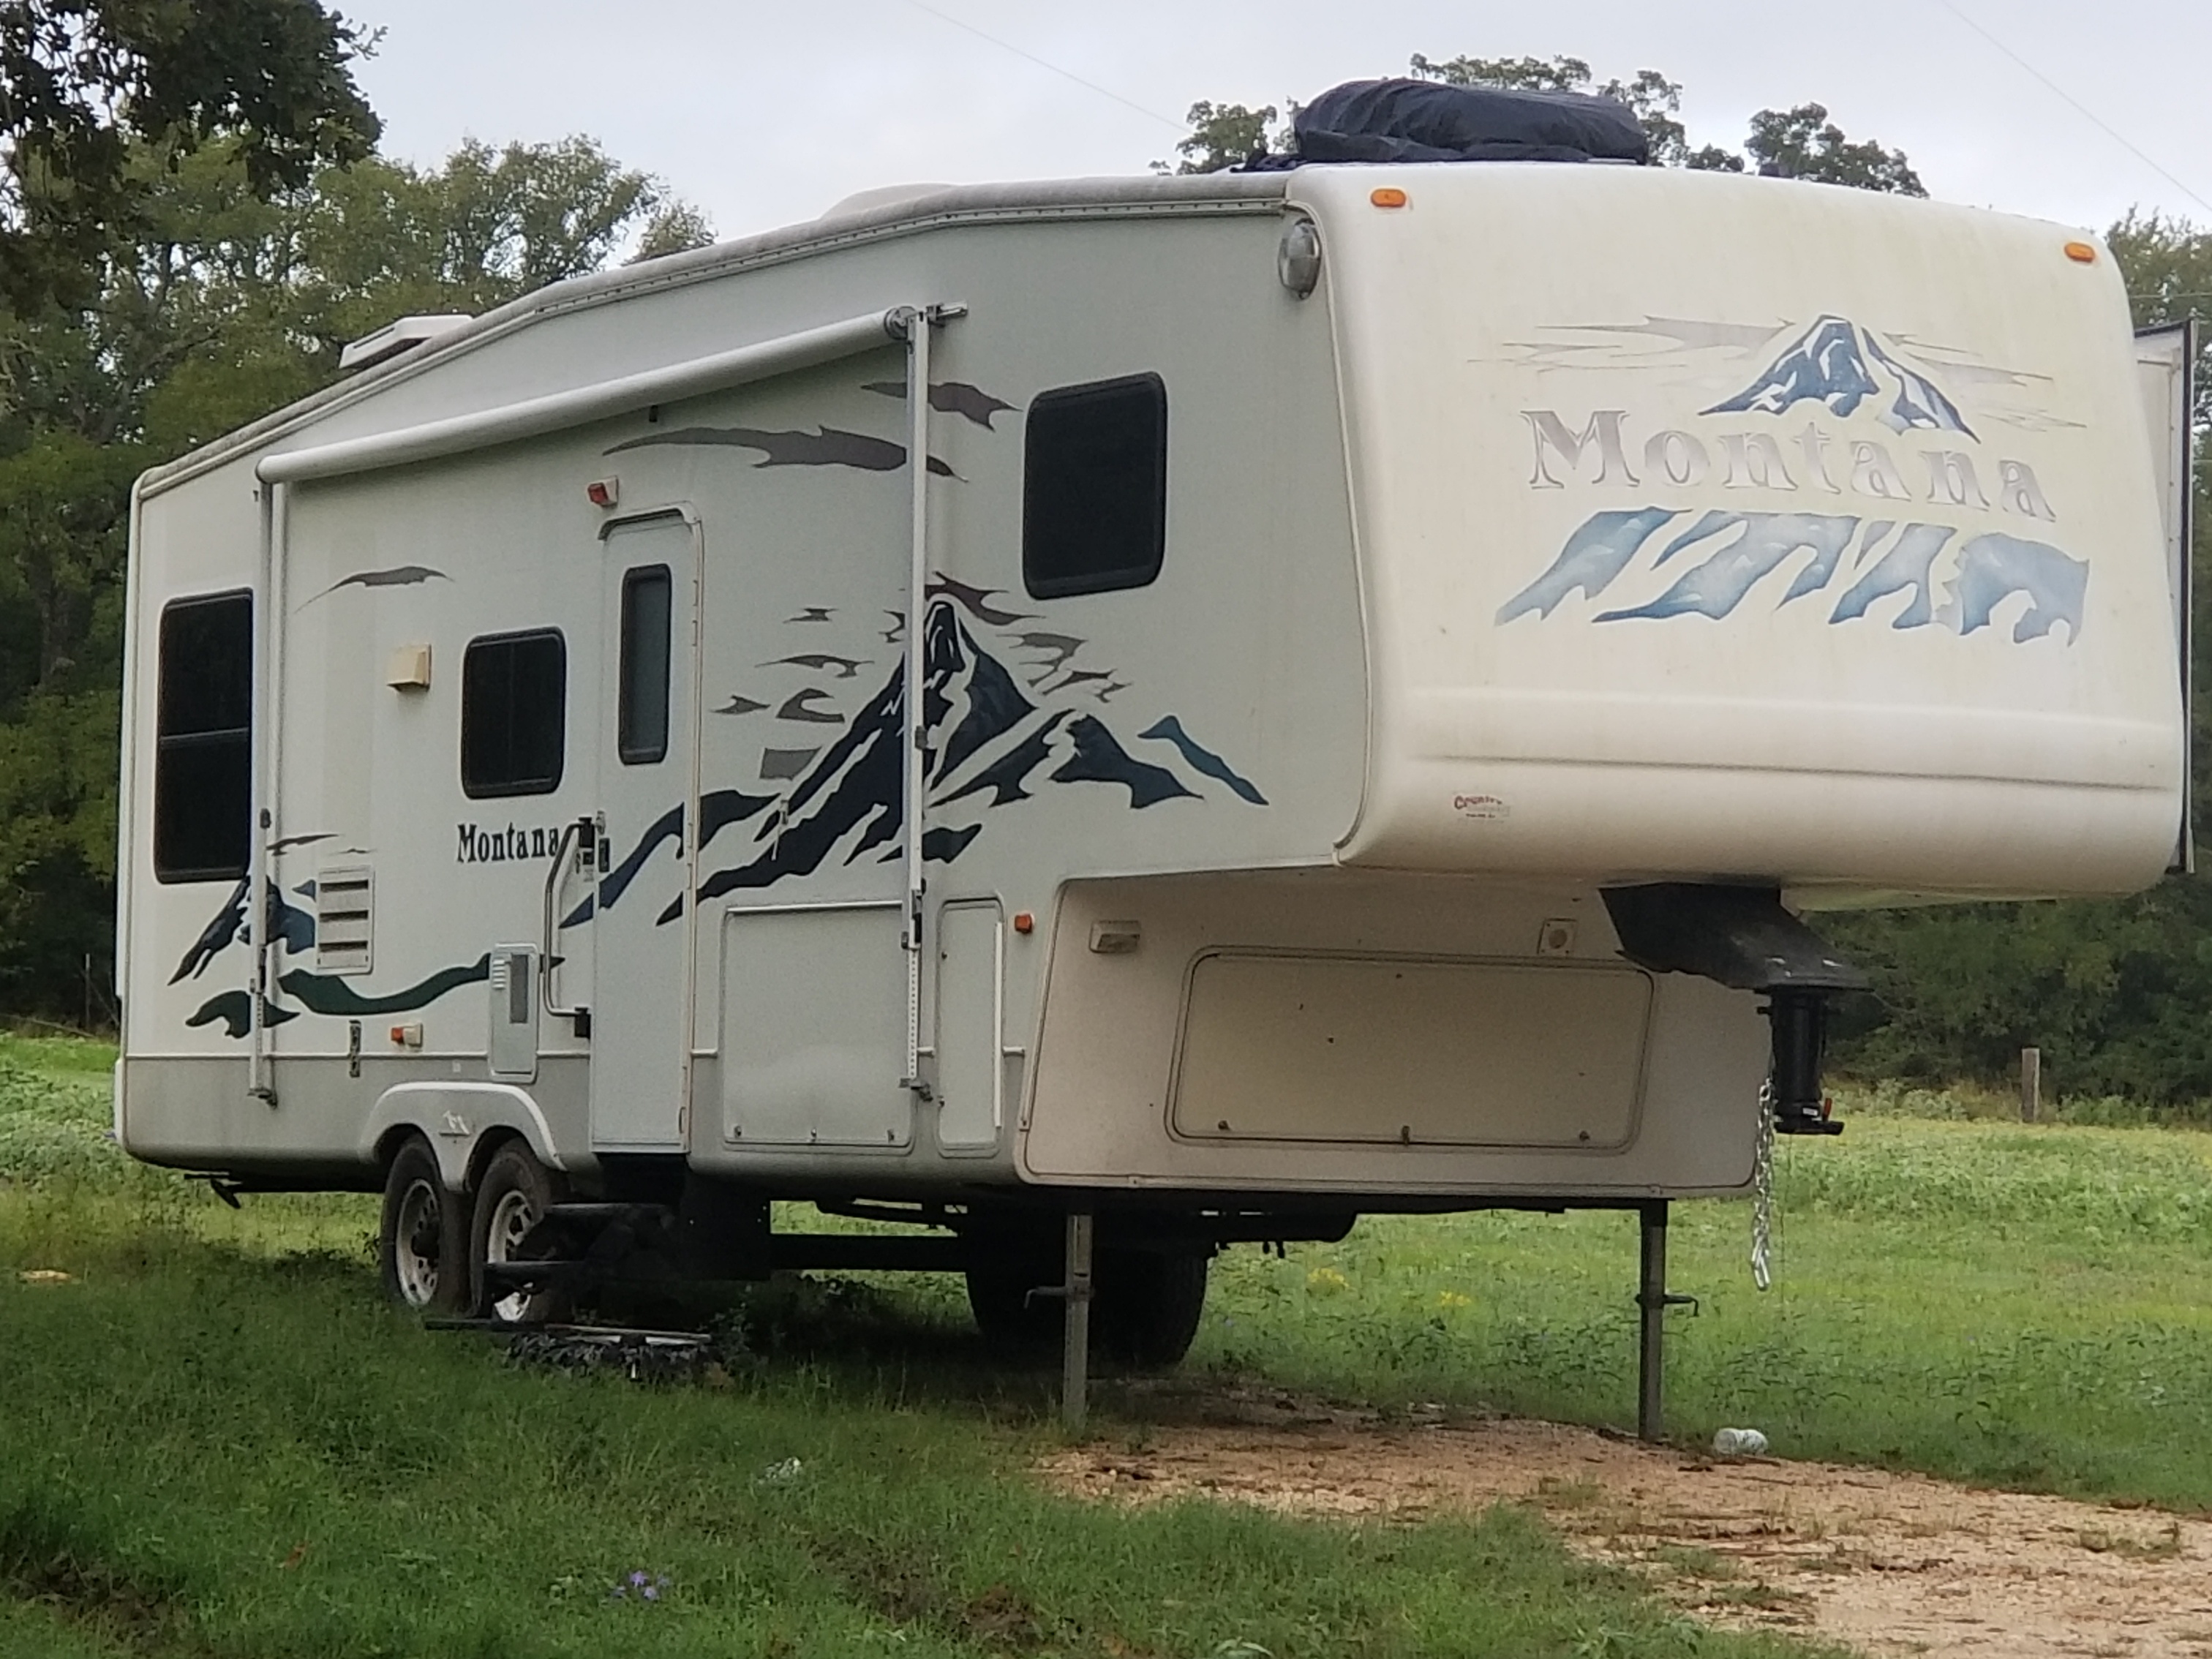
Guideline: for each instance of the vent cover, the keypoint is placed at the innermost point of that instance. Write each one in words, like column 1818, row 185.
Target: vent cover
column 345, row 919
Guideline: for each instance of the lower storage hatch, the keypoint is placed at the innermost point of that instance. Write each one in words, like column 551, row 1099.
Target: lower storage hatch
column 1349, row 1049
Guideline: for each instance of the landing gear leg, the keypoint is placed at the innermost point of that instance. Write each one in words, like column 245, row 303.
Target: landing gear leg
column 1651, row 1305
column 1075, row 1329
column 1652, row 1301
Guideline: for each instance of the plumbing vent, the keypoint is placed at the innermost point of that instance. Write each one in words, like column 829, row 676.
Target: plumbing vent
column 345, row 914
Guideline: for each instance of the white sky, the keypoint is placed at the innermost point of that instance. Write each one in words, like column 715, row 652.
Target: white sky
column 765, row 113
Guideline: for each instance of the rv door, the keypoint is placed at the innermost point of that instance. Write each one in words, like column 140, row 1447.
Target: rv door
column 2167, row 359
column 640, row 995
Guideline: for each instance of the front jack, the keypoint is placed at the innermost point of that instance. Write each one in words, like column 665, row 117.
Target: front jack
column 1800, row 1022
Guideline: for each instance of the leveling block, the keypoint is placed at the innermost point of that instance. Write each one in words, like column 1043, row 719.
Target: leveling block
column 642, row 1356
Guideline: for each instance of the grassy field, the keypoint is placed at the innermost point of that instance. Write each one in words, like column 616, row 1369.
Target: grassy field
column 215, row 1440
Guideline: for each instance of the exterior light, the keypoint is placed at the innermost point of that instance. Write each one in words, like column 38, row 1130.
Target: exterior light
column 1297, row 259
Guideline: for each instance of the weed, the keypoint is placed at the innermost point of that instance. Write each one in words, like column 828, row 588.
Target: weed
column 1693, row 1561
column 2163, row 1547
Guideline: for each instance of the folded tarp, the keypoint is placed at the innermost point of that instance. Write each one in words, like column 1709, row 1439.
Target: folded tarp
column 1403, row 120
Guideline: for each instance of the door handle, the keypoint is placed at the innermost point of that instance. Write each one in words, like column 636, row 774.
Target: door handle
column 572, row 841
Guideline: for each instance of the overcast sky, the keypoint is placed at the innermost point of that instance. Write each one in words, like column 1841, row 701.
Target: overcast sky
column 766, row 113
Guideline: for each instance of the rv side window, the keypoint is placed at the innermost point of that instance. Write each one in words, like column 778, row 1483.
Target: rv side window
column 203, row 740
column 642, row 719
column 514, row 690
column 1095, row 487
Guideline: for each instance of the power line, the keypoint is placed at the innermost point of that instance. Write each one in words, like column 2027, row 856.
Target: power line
column 2080, row 108
column 1042, row 63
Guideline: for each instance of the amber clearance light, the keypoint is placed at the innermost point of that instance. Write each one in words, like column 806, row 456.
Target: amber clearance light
column 1389, row 196
column 2081, row 253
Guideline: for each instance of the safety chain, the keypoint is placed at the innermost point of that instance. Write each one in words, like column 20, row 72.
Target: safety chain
column 1762, row 1190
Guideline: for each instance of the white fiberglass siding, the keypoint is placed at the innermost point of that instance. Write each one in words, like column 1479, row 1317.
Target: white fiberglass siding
column 1716, row 526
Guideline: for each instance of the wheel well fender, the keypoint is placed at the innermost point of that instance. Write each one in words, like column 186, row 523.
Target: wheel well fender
column 464, row 1122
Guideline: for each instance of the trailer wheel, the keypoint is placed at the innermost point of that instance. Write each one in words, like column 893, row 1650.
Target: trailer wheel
column 1148, row 1305
column 1144, row 1307
column 512, row 1198
column 422, row 1241
column 999, row 1296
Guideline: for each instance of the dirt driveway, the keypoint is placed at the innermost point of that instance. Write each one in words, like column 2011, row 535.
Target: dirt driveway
column 1887, row 1564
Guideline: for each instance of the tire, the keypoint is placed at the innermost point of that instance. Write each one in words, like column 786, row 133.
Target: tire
column 1148, row 1306
column 1005, row 1312
column 512, row 1196
column 1144, row 1309
column 422, row 1240
column 1007, row 1266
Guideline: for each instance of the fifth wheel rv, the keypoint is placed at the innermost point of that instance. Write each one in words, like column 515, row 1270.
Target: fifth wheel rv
column 1206, row 705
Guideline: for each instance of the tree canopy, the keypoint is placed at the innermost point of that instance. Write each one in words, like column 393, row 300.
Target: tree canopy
column 223, row 302
column 89, row 88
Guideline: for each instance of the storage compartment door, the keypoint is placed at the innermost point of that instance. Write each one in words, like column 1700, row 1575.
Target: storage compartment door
column 814, row 1027
column 1415, row 1051
column 969, row 1071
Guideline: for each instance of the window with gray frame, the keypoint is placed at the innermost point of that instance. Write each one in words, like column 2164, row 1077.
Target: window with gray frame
column 1095, row 487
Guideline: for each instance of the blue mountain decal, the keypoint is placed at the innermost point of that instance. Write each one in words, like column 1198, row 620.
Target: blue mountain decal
column 1727, row 555
column 1839, row 365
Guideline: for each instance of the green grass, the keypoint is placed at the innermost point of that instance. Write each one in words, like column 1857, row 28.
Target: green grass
column 2028, row 1307
column 217, row 1442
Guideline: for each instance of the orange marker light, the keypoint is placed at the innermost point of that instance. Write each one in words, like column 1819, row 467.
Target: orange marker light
column 1024, row 921
column 2081, row 253
column 1389, row 196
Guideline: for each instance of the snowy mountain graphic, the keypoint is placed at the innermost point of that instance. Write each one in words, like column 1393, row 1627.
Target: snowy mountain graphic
column 1840, row 365
column 1726, row 556
column 991, row 744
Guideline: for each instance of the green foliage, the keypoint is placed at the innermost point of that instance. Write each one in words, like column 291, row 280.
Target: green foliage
column 1804, row 143
column 84, row 82
column 55, row 1128
column 1224, row 136
column 226, row 299
column 2111, row 991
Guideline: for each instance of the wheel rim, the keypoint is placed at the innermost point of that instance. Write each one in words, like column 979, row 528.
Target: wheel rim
column 415, row 1236
column 512, row 1218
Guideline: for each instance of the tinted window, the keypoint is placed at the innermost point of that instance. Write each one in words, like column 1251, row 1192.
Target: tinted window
column 1095, row 487
column 642, row 721
column 514, row 690
column 203, row 740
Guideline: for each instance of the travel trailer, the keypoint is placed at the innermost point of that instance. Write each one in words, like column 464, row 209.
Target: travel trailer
column 1208, row 706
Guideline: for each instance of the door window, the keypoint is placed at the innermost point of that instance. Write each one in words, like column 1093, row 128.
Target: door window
column 641, row 720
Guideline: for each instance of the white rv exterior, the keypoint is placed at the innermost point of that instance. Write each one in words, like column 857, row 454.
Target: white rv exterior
column 1583, row 527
